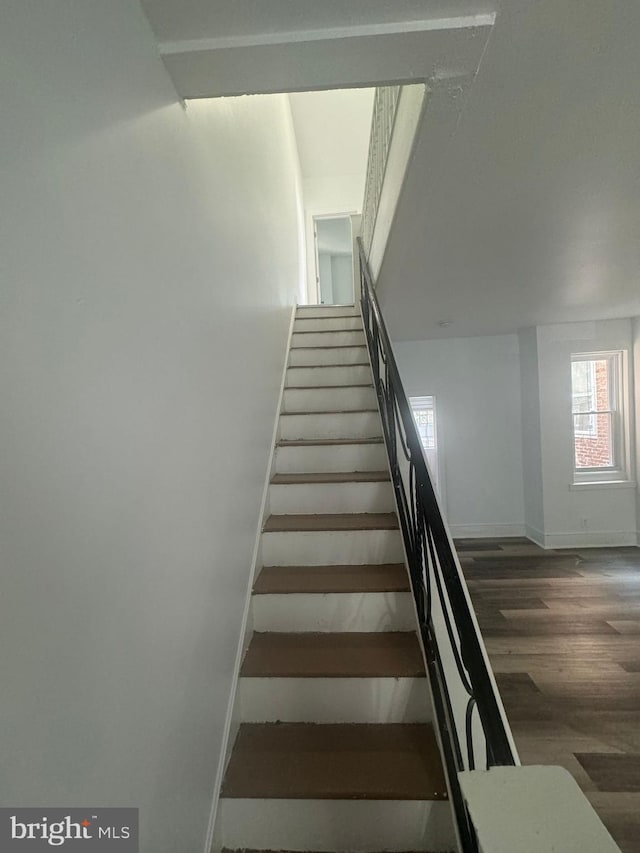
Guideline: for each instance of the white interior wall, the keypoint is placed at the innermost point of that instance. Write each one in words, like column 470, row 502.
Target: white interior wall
column 593, row 515
column 476, row 383
column 295, row 165
column 531, row 435
column 636, row 386
column 332, row 132
column 150, row 261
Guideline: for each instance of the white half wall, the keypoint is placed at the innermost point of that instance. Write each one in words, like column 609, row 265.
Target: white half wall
column 409, row 113
column 476, row 383
column 149, row 265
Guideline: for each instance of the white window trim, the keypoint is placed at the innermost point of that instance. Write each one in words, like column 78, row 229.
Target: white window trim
column 603, row 484
column 617, row 475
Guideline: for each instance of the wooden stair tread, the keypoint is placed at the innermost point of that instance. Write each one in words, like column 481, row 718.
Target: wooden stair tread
column 332, row 477
column 381, row 577
column 331, row 521
column 328, row 412
column 332, row 346
column 326, row 331
column 392, row 761
column 327, row 366
column 383, row 654
column 327, row 387
column 329, row 316
column 310, row 442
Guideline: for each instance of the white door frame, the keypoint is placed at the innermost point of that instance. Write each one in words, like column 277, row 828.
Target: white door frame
column 315, row 285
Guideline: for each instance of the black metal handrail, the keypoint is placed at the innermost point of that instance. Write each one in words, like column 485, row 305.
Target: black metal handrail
column 467, row 706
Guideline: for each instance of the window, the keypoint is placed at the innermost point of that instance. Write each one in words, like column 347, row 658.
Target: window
column 584, row 397
column 424, row 414
column 596, row 410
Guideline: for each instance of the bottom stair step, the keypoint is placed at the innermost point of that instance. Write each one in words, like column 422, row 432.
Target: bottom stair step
column 343, row 762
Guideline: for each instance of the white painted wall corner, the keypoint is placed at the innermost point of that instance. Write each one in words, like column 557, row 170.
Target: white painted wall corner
column 213, row 841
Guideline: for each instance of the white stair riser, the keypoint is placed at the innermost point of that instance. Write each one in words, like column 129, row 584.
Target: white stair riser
column 328, row 399
column 327, row 355
column 327, row 310
column 350, row 611
column 326, row 324
column 333, row 425
column 327, row 339
column 332, row 548
column 334, row 375
column 320, row 458
column 319, row 498
column 334, row 700
column 356, row 826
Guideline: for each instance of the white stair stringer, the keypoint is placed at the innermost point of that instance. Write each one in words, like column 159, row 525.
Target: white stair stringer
column 339, row 826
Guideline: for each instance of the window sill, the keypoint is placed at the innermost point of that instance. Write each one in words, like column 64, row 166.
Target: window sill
column 602, row 484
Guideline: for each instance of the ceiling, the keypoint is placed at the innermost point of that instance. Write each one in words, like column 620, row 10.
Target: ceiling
column 237, row 47
column 183, row 20
column 332, row 132
column 523, row 207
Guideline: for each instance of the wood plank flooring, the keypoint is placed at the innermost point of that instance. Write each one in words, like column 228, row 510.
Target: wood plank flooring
column 562, row 629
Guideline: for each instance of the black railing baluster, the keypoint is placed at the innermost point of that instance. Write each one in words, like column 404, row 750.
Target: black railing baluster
column 436, row 577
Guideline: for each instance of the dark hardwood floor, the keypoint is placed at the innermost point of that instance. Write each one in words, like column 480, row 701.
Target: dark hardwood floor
column 562, row 629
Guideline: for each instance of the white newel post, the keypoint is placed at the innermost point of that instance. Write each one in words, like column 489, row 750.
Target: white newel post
column 532, row 810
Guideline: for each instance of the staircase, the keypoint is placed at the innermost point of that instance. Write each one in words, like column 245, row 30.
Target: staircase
column 335, row 750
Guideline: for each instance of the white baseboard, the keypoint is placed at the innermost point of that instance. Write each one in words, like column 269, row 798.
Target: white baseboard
column 592, row 539
column 213, row 838
column 583, row 539
column 486, row 531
